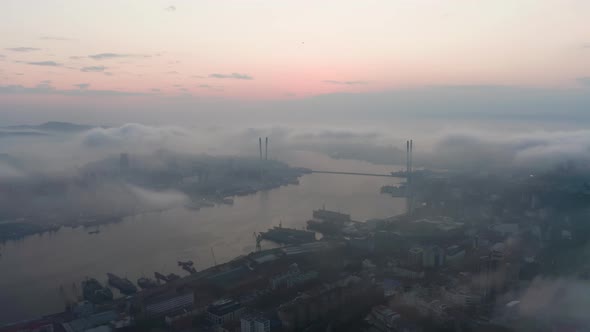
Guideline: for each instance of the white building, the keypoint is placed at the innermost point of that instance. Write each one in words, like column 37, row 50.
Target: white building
column 254, row 323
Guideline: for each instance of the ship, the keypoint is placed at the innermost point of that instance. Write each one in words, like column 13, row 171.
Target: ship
column 146, row 283
column 288, row 235
column 395, row 191
column 96, row 293
column 187, row 266
column 122, row 284
column 325, row 227
column 328, row 215
column 172, row 277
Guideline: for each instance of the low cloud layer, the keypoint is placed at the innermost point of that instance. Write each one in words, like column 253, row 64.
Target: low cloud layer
column 45, row 63
column 345, row 82
column 479, row 150
column 93, row 69
column 54, row 38
column 108, row 56
column 23, row 49
column 45, row 89
column 236, row 76
column 82, row 85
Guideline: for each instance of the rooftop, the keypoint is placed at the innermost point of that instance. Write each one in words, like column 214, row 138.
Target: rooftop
column 223, row 307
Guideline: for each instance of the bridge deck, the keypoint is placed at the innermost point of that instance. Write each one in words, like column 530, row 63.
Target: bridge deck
column 356, row 173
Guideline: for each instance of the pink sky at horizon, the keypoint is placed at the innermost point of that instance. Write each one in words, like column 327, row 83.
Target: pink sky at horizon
column 289, row 49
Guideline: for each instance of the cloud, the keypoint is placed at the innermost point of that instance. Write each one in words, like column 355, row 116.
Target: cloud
column 46, row 82
column 211, row 87
column 77, row 57
column 555, row 300
column 170, row 8
column 82, row 86
column 172, row 72
column 488, row 151
column 45, row 63
column 159, row 199
column 198, row 76
column 584, row 80
column 155, row 90
column 54, row 38
column 23, row 49
column 107, row 56
column 46, row 89
column 132, row 134
column 9, row 172
column 586, row 45
column 236, row 76
column 93, row 69
column 345, row 82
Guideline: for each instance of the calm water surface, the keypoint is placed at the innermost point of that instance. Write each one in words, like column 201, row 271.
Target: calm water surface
column 32, row 269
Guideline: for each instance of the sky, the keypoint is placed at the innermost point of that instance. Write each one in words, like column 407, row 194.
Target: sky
column 136, row 54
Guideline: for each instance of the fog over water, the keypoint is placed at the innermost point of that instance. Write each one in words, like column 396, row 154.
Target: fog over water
column 35, row 267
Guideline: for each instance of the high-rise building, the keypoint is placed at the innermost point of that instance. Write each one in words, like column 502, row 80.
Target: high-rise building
column 415, row 257
column 433, row 257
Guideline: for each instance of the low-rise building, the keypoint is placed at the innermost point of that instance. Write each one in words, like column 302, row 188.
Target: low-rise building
column 223, row 311
column 383, row 318
column 460, row 296
column 169, row 304
column 334, row 302
column 291, row 278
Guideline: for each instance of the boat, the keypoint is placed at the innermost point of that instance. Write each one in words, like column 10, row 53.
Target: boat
column 227, row 200
column 94, row 232
column 288, row 235
column 187, row 263
column 146, row 283
column 328, row 215
column 96, row 293
column 326, row 227
column 122, row 284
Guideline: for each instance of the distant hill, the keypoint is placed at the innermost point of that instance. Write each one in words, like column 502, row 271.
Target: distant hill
column 54, row 126
column 12, row 133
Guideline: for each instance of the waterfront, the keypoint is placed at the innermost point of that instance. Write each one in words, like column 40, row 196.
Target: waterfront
column 32, row 269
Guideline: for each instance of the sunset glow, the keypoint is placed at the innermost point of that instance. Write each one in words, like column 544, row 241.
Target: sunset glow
column 287, row 49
